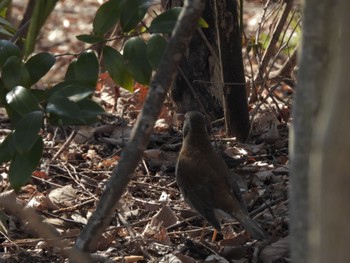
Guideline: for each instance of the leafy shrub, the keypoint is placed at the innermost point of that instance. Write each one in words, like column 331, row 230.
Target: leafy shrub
column 70, row 101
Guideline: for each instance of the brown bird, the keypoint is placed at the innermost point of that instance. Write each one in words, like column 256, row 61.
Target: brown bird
column 205, row 181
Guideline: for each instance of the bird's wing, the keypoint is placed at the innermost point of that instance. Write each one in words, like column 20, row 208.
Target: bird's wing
column 196, row 187
column 236, row 191
column 225, row 173
column 198, row 199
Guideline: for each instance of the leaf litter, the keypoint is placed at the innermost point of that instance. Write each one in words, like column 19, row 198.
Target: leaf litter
column 152, row 222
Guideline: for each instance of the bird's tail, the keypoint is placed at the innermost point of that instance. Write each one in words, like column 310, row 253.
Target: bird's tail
column 253, row 228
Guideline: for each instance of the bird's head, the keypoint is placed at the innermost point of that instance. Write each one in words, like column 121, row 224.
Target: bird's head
column 194, row 124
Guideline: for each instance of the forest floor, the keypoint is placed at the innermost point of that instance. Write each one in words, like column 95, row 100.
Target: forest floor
column 152, row 222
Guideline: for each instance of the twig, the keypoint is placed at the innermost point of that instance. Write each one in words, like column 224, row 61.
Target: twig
column 286, row 68
column 20, row 32
column 273, row 41
column 281, row 48
column 64, row 146
column 195, row 96
column 257, row 35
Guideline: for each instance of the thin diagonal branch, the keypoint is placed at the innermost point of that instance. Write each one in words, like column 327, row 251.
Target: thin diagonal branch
column 141, row 133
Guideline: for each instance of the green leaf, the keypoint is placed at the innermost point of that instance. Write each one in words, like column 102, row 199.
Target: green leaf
column 86, row 112
column 39, row 64
column 15, row 73
column 13, row 115
column 70, row 73
column 132, row 12
column 6, row 27
column 89, row 109
column 4, row 4
column 7, row 149
column 7, row 49
column 86, row 68
column 165, row 22
column 22, row 100
column 66, row 121
column 106, row 17
column 202, row 23
column 5, row 32
column 4, row 22
column 135, row 52
column 90, row 39
column 3, row 93
column 41, row 11
column 40, row 95
column 26, row 131
column 155, row 49
column 115, row 65
column 73, row 92
column 63, row 107
column 23, row 165
column 60, row 86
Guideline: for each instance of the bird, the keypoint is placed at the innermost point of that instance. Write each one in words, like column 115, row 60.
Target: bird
column 205, row 182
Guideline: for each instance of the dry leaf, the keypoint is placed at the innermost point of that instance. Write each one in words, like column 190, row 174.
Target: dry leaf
column 161, row 125
column 275, row 251
column 64, row 196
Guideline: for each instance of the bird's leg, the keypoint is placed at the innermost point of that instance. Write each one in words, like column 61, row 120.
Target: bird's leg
column 213, row 238
column 215, row 233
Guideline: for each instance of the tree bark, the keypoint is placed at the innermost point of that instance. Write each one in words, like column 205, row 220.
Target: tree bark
column 319, row 139
column 234, row 88
column 212, row 78
column 314, row 60
column 329, row 163
column 198, row 86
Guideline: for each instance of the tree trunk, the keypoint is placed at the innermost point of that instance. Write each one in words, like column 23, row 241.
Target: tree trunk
column 212, row 77
column 234, row 88
column 198, row 86
column 320, row 142
column 329, row 163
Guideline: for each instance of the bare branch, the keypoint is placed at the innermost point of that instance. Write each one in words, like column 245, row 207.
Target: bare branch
column 182, row 34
